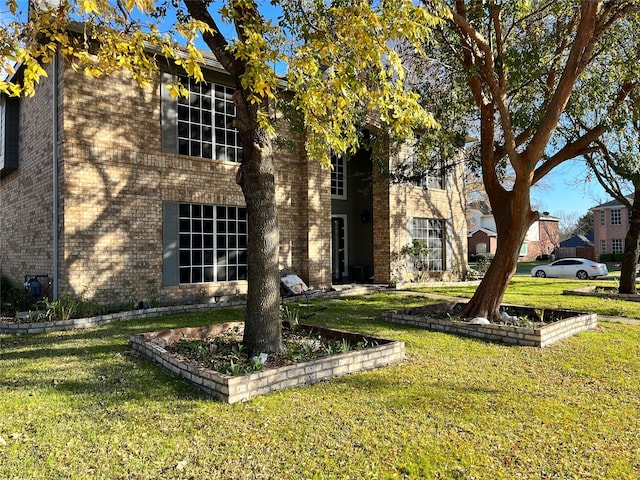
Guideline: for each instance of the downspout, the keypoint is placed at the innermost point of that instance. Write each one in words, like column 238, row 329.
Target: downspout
column 54, row 133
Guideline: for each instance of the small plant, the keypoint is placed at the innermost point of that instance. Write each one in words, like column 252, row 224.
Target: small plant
column 289, row 315
column 63, row 308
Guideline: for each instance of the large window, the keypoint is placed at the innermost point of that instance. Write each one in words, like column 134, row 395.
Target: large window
column 201, row 124
column 420, row 170
column 616, row 217
column 9, row 133
column 431, row 232
column 338, row 177
column 212, row 243
column 205, row 122
column 616, row 245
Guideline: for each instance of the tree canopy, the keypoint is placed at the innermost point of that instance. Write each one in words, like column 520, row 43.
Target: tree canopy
column 342, row 73
column 528, row 68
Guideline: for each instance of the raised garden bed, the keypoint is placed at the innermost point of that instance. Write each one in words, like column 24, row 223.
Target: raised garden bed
column 543, row 327
column 238, row 388
column 602, row 292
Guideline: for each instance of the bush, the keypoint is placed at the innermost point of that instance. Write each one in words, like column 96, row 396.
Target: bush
column 14, row 298
column 611, row 257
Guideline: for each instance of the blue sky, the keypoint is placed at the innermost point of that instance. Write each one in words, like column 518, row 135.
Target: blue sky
column 566, row 193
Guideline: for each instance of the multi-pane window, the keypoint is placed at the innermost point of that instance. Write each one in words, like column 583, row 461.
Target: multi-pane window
column 2, row 129
column 431, row 232
column 212, row 243
column 616, row 217
column 616, row 245
column 602, row 217
column 603, row 246
column 338, row 177
column 205, row 122
column 421, row 171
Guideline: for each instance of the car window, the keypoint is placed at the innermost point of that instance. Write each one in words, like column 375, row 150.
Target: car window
column 559, row 263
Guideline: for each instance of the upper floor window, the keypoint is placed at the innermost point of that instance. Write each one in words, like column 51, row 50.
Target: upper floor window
column 420, row 170
column 201, row 124
column 338, row 177
column 9, row 133
column 616, row 217
column 602, row 217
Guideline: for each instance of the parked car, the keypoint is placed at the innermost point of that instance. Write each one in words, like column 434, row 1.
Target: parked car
column 571, row 268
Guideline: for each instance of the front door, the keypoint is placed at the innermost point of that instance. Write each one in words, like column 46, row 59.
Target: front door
column 339, row 262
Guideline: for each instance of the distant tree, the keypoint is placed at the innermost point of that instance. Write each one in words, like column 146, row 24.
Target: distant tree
column 584, row 224
column 341, row 72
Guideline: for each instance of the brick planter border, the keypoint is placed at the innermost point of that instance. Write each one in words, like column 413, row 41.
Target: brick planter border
column 507, row 334
column 590, row 292
column 89, row 322
column 232, row 389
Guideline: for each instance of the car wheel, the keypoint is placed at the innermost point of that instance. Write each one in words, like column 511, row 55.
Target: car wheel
column 582, row 275
column 541, row 274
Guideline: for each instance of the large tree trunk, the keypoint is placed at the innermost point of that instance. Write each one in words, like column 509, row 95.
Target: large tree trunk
column 262, row 331
column 513, row 218
column 631, row 250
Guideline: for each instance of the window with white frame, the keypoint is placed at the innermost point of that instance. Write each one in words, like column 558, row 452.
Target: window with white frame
column 200, row 124
column 616, row 245
column 338, row 177
column 616, row 217
column 3, row 132
column 420, row 171
column 9, row 133
column 431, row 232
column 205, row 122
column 212, row 242
column 602, row 217
column 603, row 246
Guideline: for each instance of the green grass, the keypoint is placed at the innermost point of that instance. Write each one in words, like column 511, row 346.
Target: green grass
column 76, row 405
column 547, row 293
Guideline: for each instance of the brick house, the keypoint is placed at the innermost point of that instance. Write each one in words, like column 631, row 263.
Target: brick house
column 542, row 238
column 121, row 193
column 610, row 226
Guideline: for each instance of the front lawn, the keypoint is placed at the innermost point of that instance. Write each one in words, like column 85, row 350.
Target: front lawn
column 76, row 405
column 547, row 293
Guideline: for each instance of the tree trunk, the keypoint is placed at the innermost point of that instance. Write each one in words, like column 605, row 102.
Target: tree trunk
column 631, row 250
column 513, row 219
column 262, row 331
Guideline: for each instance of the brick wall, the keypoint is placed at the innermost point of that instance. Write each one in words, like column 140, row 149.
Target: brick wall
column 395, row 204
column 118, row 180
column 26, row 194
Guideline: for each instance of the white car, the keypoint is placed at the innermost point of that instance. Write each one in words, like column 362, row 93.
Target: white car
column 580, row 268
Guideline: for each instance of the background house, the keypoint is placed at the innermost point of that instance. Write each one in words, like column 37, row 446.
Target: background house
column 578, row 246
column 610, row 225
column 542, row 238
column 122, row 193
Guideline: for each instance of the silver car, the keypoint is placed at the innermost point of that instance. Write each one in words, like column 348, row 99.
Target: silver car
column 580, row 268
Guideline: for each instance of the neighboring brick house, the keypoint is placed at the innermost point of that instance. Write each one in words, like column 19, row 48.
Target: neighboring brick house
column 610, row 226
column 542, row 238
column 121, row 193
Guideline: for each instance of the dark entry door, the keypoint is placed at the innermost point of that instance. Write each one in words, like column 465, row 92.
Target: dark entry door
column 339, row 263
